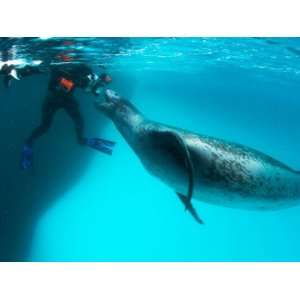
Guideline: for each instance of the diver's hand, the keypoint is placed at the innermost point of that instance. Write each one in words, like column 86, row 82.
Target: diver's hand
column 96, row 93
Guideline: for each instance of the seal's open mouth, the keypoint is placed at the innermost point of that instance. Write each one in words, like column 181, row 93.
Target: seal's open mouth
column 111, row 98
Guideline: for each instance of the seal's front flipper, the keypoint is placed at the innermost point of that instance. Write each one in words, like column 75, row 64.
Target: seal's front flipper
column 189, row 207
column 187, row 200
column 171, row 145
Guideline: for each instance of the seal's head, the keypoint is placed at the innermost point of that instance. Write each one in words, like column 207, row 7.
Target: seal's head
column 116, row 107
column 122, row 112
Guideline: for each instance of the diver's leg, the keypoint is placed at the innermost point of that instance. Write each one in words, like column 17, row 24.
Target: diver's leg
column 49, row 108
column 72, row 108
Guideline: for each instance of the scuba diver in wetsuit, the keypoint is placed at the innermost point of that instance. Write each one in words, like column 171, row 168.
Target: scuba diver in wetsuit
column 10, row 72
column 62, row 84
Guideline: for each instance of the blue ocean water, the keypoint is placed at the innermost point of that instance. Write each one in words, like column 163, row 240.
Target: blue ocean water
column 102, row 208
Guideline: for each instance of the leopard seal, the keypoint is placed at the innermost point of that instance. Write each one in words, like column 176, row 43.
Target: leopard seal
column 202, row 167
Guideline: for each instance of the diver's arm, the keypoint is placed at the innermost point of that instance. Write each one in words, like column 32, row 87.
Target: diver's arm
column 31, row 70
column 98, row 87
column 12, row 73
column 94, row 91
column 99, row 83
column 94, row 85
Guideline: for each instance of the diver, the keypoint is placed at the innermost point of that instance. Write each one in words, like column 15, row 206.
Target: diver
column 62, row 84
column 10, row 72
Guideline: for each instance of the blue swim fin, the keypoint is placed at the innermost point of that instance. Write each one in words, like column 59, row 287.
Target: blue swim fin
column 26, row 157
column 101, row 145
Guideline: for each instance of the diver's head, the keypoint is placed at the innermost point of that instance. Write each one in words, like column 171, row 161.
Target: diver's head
column 96, row 82
column 116, row 107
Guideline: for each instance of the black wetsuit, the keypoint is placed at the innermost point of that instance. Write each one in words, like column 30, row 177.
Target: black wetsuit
column 62, row 97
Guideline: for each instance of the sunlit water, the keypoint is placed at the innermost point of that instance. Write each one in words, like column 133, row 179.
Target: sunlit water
column 244, row 90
